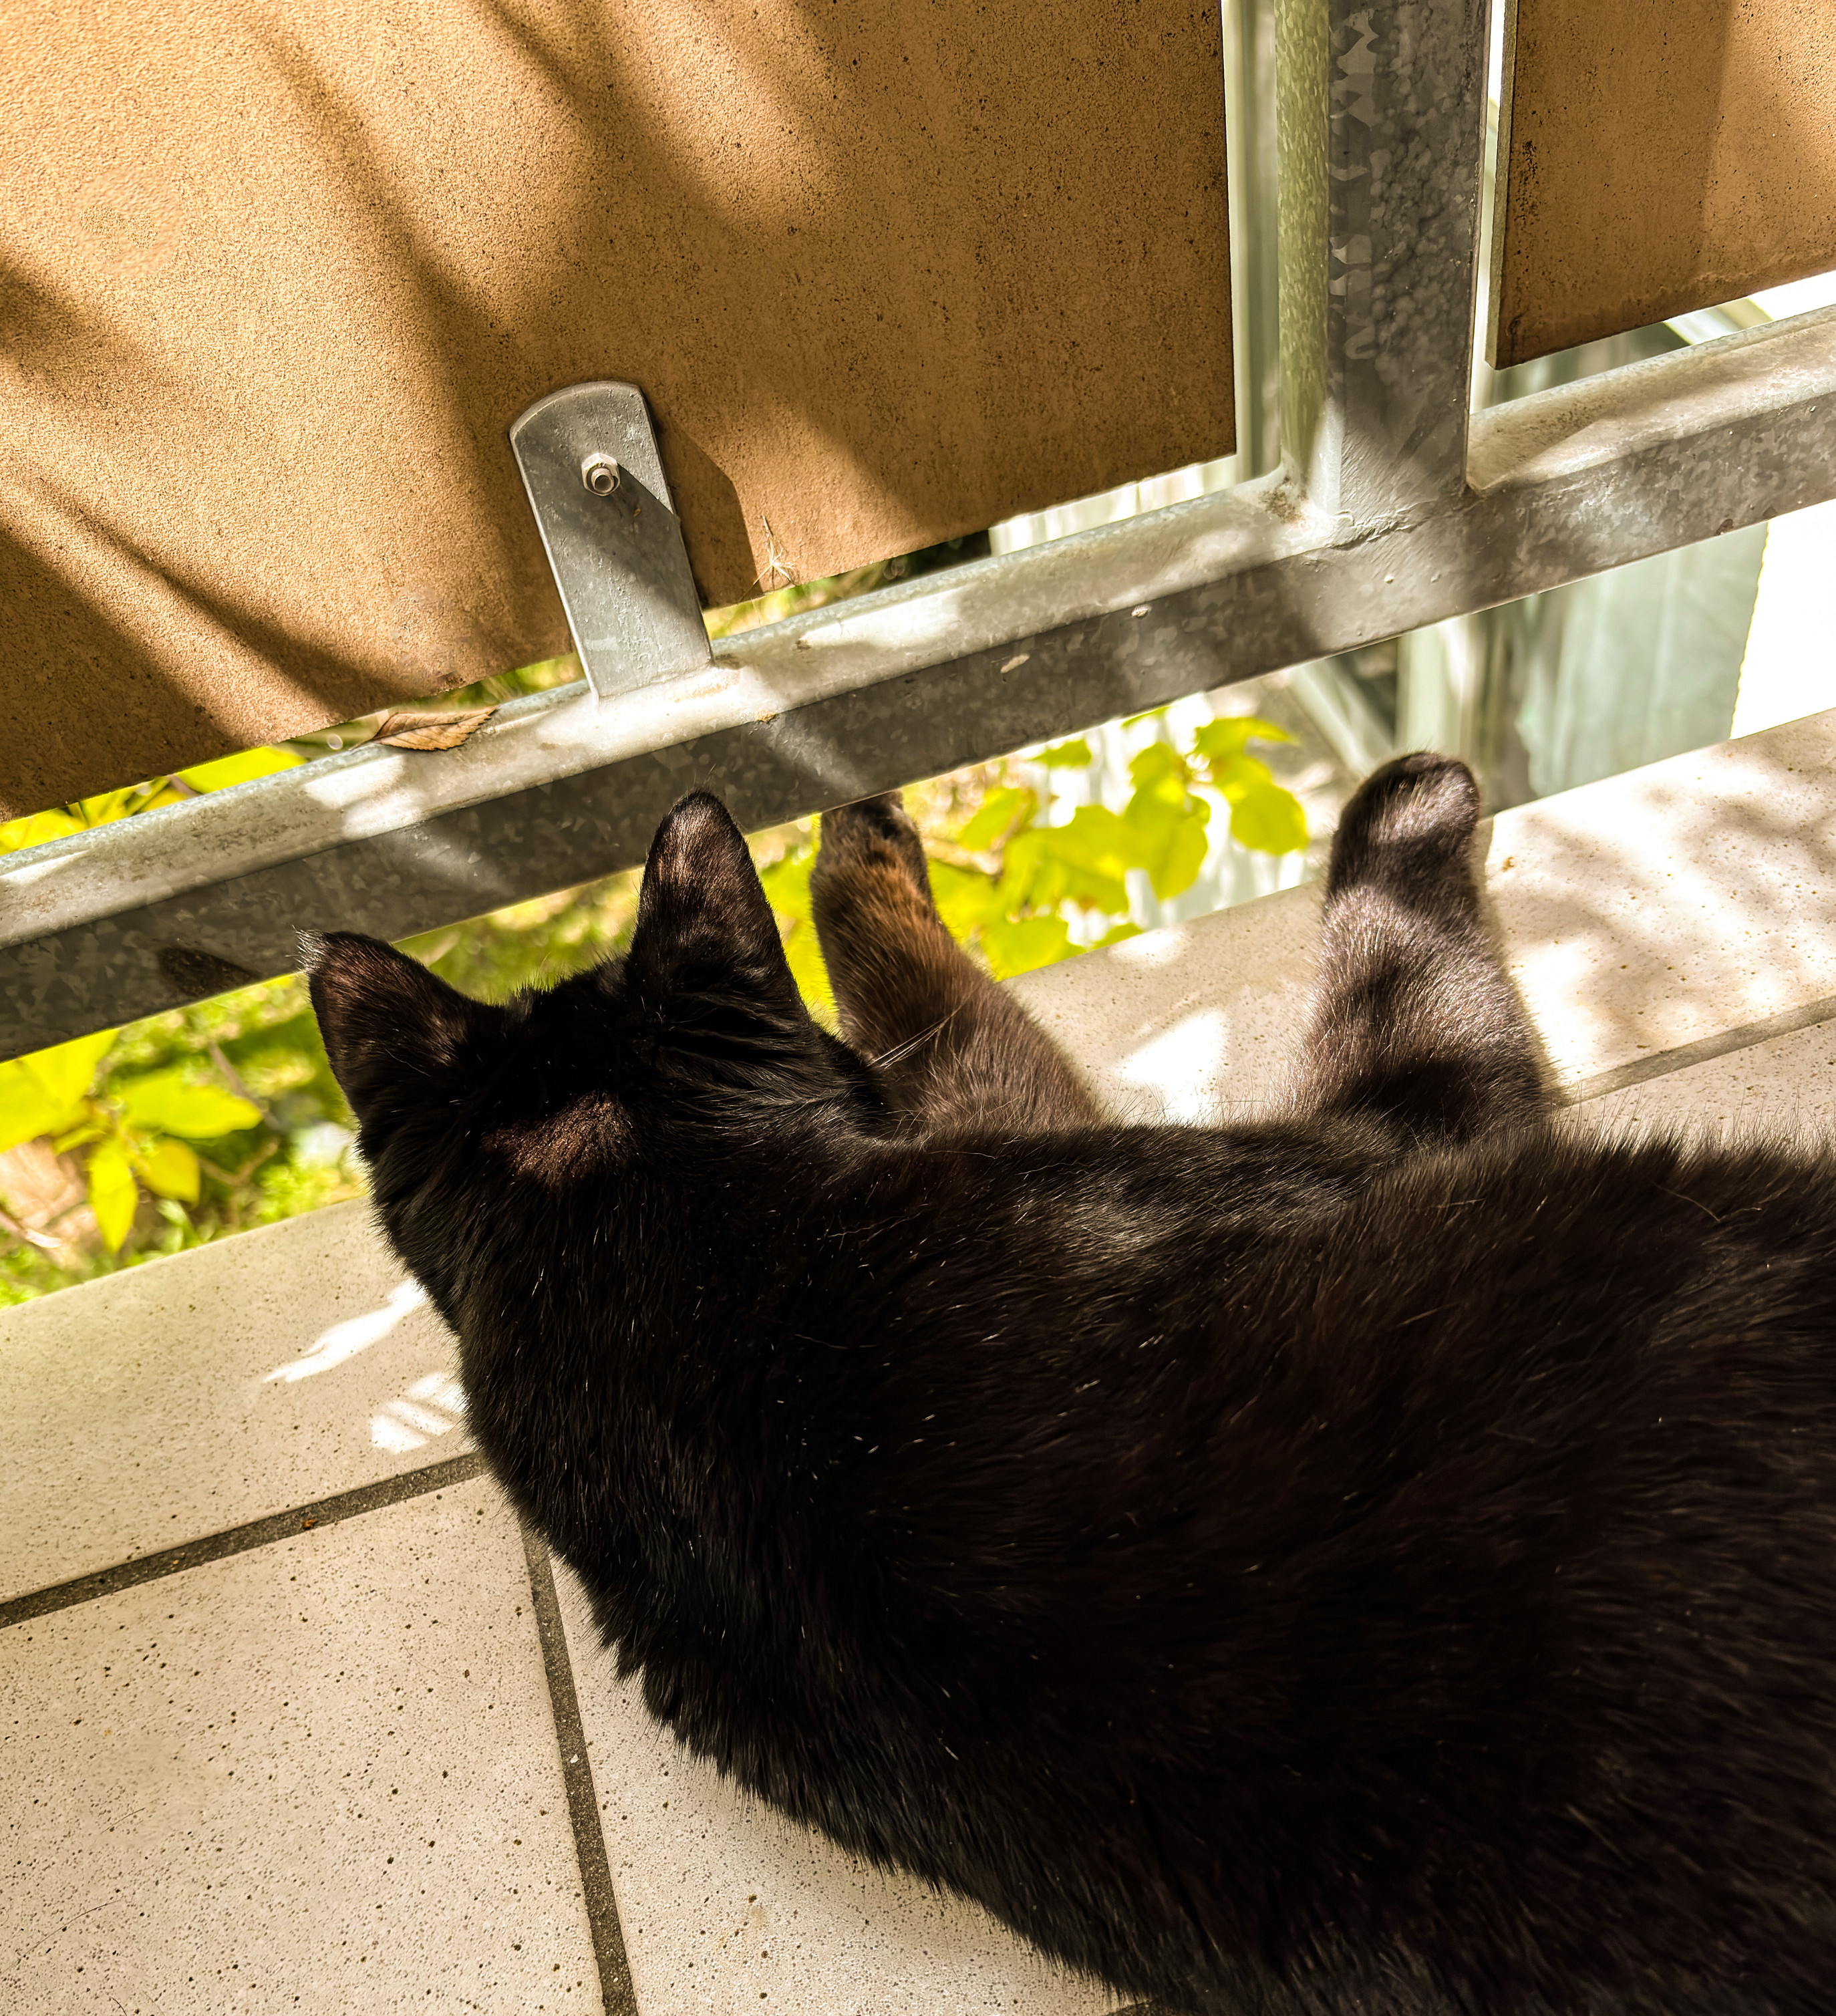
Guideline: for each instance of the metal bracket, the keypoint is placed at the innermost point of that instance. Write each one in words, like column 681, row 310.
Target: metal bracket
column 595, row 478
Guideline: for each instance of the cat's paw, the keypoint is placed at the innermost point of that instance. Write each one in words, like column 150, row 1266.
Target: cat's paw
column 873, row 835
column 1415, row 815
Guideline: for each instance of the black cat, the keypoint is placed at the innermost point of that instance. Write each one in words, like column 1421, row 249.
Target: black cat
column 1382, row 1559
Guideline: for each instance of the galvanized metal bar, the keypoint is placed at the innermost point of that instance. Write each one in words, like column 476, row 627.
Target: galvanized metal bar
column 1381, row 119
column 594, row 476
column 1255, row 272
column 906, row 683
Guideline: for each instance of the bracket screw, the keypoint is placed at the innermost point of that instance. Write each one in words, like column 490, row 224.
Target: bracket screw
column 599, row 473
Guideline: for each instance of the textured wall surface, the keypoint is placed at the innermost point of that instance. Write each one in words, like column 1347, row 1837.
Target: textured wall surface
column 275, row 279
column 1658, row 156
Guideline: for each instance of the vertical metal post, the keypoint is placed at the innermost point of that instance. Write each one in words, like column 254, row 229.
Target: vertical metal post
column 1382, row 121
column 1249, row 75
column 590, row 464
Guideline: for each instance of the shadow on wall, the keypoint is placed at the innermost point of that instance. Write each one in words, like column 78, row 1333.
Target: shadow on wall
column 261, row 396
column 1654, row 172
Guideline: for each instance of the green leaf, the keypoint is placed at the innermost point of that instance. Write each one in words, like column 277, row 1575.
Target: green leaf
column 112, row 1194
column 1159, row 764
column 1052, row 883
column 1096, row 838
column 1018, row 944
column 965, row 898
column 169, row 1102
column 106, row 808
column 1168, row 821
column 169, row 1169
column 44, row 1093
column 1187, row 845
column 786, row 886
column 1233, row 776
column 164, row 795
column 66, row 1072
column 1021, row 862
column 238, row 769
column 1269, row 819
column 32, row 832
column 1116, row 932
column 1002, row 810
column 27, row 1110
column 1229, row 734
column 1060, row 881
column 1089, row 856
column 1072, row 755
column 803, row 954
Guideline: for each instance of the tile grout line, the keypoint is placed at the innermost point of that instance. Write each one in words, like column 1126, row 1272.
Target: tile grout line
column 1660, row 1063
column 577, row 1773
column 240, row 1539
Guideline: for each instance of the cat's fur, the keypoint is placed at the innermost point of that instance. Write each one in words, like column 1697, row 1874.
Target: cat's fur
column 1382, row 1559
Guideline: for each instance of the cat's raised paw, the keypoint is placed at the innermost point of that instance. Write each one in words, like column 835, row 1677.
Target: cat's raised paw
column 1416, row 813
column 873, row 835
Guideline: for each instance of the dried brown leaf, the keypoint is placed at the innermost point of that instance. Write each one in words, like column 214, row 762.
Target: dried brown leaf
column 408, row 729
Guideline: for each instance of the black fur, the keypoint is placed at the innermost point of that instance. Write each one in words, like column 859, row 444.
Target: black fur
column 1380, row 1560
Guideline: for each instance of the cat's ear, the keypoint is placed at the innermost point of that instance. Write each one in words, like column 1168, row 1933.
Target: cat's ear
column 704, row 927
column 392, row 1029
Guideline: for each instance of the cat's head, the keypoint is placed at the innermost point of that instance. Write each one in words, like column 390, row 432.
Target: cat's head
column 698, row 1032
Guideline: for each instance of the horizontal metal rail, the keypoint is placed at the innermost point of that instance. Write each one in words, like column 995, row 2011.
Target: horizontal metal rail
column 909, row 682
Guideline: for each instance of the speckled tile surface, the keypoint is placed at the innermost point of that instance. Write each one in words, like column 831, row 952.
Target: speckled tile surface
column 727, row 1907
column 1784, row 1085
column 262, row 1785
column 201, row 1392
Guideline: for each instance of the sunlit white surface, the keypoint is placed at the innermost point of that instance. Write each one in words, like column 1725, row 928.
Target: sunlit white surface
column 345, row 1339
column 1178, row 1065
column 434, row 1405
column 1797, row 296
column 902, row 624
column 1790, row 667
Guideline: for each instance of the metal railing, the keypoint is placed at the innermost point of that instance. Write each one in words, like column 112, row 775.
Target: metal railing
column 1394, row 507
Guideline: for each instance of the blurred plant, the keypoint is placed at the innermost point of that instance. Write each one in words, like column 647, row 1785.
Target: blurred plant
column 82, row 814
column 1016, row 912
column 795, row 596
column 130, row 1131
column 225, row 1115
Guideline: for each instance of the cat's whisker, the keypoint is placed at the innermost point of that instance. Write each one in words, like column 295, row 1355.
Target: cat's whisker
column 900, row 1051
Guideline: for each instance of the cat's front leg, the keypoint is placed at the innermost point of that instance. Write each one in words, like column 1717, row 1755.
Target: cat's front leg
column 952, row 1048
column 1415, row 1024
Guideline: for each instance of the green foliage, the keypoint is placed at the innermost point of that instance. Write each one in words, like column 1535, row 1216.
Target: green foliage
column 787, row 884
column 175, row 1130
column 104, row 809
column 1262, row 815
column 129, row 1129
column 1017, row 912
column 45, row 1093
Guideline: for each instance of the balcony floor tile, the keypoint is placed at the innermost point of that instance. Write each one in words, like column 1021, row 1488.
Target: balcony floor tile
column 321, row 1776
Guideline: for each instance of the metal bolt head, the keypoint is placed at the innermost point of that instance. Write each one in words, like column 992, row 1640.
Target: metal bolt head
column 599, row 473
